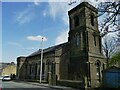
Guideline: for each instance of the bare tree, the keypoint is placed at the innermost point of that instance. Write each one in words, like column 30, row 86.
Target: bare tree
column 109, row 47
column 118, row 38
column 111, row 13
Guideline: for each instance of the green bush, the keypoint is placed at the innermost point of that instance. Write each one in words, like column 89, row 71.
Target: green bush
column 114, row 59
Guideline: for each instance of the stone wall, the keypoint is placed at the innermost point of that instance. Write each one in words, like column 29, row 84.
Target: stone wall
column 21, row 67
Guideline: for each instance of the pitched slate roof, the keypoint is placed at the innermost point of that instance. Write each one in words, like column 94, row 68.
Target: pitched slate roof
column 49, row 49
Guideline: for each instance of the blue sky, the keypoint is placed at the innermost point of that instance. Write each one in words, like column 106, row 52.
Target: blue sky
column 23, row 24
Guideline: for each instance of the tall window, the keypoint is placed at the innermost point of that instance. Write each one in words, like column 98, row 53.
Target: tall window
column 53, row 68
column 76, row 20
column 100, row 43
column 49, row 66
column 94, row 36
column 30, row 69
column 77, row 39
column 35, row 70
column 43, row 67
column 103, row 66
column 98, row 64
column 92, row 19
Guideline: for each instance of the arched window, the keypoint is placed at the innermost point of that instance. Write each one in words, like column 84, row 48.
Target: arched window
column 98, row 64
column 77, row 39
column 92, row 19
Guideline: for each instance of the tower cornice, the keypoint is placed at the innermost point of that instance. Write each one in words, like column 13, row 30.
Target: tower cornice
column 81, row 5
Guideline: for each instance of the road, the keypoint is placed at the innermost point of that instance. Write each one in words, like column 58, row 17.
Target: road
column 12, row 85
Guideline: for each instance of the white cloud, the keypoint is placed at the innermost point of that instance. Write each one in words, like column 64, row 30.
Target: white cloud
column 36, row 2
column 37, row 38
column 53, row 10
column 58, row 9
column 62, row 37
column 25, row 16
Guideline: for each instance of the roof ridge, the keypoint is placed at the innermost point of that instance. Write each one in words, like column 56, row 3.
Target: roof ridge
column 52, row 48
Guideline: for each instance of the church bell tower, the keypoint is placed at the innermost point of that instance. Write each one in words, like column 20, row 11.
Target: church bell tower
column 86, row 59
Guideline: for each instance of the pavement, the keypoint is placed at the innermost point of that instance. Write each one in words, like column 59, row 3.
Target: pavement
column 52, row 86
column 49, row 86
column 61, row 87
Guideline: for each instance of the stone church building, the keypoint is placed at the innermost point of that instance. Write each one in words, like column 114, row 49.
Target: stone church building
column 79, row 59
